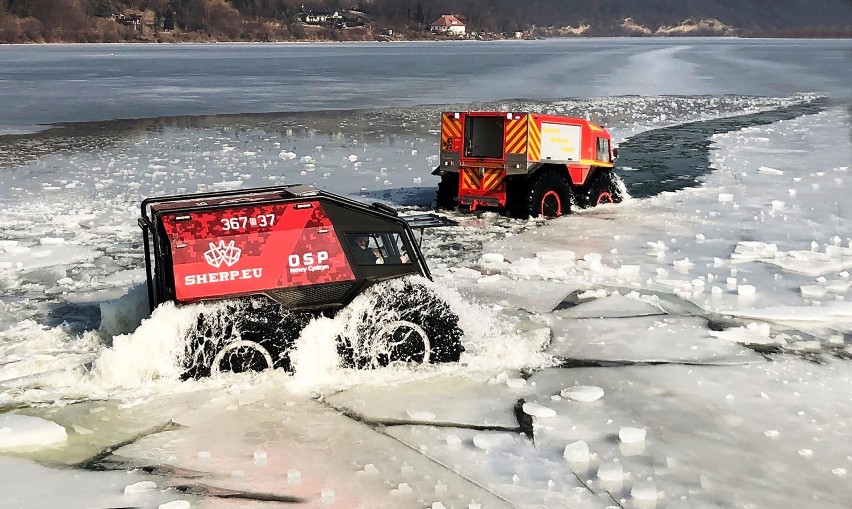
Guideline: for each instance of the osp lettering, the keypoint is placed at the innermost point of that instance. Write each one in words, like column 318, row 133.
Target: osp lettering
column 295, row 260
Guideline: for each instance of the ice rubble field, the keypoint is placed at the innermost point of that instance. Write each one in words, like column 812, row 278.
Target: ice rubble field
column 687, row 350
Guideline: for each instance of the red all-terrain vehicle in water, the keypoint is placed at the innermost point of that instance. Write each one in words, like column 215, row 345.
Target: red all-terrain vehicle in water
column 526, row 163
column 277, row 257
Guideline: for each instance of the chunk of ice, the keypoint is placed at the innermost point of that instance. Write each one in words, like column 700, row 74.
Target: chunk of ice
column 576, row 452
column 402, row 489
column 493, row 441
column 769, row 171
column 536, row 410
column 611, row 472
column 630, row 435
column 645, row 491
column 583, row 393
column 683, row 264
column 23, row 431
column 421, row 415
column 813, row 291
column 745, row 290
column 175, row 504
column 593, row 262
column 139, row 487
column 491, row 258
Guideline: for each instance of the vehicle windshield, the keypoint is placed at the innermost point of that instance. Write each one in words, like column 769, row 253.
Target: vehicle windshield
column 378, row 248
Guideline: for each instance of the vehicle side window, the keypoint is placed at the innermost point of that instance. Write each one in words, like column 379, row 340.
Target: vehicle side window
column 378, row 248
column 603, row 150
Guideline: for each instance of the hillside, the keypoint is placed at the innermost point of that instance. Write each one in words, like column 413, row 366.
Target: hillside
column 34, row 21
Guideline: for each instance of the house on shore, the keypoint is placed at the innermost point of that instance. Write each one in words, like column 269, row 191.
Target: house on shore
column 447, row 24
column 320, row 17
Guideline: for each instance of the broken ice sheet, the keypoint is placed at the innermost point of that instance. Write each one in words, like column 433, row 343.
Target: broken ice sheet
column 713, row 421
column 474, row 402
column 510, row 465
column 662, row 338
column 323, row 448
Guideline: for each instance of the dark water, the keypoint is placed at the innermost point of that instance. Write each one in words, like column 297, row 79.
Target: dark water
column 673, row 158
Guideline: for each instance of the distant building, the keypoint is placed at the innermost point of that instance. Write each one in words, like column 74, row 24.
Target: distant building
column 137, row 20
column 447, row 24
column 321, row 17
column 133, row 21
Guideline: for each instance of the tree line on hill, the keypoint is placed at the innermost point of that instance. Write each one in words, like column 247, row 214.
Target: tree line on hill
column 27, row 21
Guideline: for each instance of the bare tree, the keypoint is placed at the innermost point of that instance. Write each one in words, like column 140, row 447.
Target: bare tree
column 59, row 16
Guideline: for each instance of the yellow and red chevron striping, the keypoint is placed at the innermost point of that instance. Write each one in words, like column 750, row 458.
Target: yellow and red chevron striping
column 450, row 128
column 516, row 136
column 470, row 179
column 491, row 179
column 534, row 149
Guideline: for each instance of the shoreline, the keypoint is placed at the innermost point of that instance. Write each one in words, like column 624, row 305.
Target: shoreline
column 434, row 40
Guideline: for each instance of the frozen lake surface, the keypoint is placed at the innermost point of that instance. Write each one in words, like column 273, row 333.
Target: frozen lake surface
column 687, row 348
column 72, row 83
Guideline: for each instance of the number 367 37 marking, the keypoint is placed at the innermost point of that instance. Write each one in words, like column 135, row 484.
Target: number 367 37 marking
column 242, row 222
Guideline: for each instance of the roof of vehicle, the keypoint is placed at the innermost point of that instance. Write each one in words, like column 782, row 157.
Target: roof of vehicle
column 542, row 116
column 159, row 205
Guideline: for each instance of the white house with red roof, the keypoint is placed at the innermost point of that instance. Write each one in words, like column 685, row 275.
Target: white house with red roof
column 447, row 24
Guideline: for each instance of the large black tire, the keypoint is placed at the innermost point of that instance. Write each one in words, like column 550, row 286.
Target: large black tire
column 248, row 334
column 448, row 187
column 602, row 188
column 401, row 320
column 517, row 189
column 547, row 193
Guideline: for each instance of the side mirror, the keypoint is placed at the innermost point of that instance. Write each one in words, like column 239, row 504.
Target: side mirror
column 614, row 153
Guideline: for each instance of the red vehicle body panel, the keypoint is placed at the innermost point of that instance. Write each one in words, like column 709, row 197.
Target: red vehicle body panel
column 248, row 249
column 525, row 136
